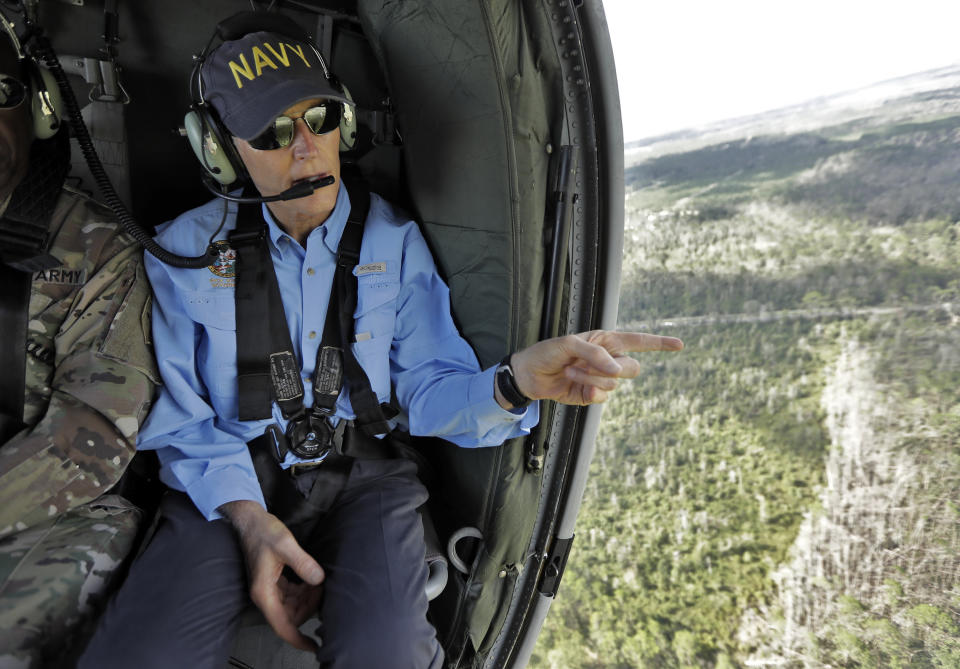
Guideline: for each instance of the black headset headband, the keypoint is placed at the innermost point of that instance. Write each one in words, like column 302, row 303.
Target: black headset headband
column 244, row 23
column 8, row 30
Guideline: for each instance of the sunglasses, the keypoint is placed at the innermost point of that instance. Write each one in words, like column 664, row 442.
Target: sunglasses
column 320, row 120
column 12, row 91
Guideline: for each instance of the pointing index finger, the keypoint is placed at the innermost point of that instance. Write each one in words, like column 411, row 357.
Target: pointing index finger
column 642, row 342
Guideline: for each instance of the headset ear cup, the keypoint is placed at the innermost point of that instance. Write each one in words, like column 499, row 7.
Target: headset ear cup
column 46, row 103
column 209, row 148
column 348, row 123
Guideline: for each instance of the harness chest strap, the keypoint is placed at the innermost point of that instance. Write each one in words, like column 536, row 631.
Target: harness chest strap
column 266, row 366
column 372, row 416
column 263, row 341
column 14, row 302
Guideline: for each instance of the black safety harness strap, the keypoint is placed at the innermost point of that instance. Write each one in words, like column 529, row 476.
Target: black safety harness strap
column 372, row 416
column 266, row 366
column 267, row 369
column 14, row 303
column 264, row 348
column 284, row 497
column 25, row 236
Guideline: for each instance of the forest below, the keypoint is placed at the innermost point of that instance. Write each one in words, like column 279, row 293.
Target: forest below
column 786, row 491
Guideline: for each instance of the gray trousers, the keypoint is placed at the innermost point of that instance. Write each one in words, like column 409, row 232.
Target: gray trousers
column 181, row 604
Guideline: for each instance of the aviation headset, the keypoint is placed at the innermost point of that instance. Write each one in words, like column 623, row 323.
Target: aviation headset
column 46, row 104
column 210, row 140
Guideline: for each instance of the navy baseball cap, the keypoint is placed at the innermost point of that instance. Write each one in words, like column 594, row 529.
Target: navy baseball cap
column 252, row 80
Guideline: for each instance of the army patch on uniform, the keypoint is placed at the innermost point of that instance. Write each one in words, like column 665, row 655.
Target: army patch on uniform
column 61, row 275
column 226, row 262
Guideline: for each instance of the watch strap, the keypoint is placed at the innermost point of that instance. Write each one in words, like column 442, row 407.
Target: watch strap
column 507, row 384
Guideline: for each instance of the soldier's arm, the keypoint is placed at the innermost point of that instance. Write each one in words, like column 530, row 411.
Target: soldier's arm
column 102, row 387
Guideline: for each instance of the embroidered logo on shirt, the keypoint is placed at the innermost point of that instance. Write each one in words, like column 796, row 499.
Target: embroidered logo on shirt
column 226, row 262
column 61, row 275
column 372, row 268
column 224, row 266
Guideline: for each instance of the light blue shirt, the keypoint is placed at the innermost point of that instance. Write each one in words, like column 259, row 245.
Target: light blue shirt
column 405, row 338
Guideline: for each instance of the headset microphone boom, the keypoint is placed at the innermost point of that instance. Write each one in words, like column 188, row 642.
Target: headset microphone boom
column 302, row 189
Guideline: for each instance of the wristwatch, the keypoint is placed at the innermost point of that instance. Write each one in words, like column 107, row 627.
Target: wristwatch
column 507, row 384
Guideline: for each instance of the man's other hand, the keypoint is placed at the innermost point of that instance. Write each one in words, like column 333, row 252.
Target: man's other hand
column 269, row 547
column 582, row 368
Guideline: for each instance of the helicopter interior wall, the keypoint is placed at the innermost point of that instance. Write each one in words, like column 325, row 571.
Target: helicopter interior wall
column 478, row 102
column 478, row 97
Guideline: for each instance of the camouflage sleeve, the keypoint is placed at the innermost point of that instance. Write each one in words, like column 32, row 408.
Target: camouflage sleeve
column 102, row 388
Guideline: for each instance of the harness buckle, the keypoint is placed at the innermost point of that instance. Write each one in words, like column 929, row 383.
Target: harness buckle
column 311, row 437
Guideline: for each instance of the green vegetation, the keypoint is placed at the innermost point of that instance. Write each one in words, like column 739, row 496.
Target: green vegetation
column 693, row 498
column 786, row 491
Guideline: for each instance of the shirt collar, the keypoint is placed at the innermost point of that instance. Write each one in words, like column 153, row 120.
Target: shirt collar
column 328, row 233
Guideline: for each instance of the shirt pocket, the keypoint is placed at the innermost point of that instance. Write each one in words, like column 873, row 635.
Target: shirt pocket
column 376, row 311
column 376, row 316
column 217, row 346
column 211, row 310
column 126, row 337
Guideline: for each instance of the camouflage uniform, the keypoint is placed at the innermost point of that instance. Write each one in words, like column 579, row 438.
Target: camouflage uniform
column 90, row 379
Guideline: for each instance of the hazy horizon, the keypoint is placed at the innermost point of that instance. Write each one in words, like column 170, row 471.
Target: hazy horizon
column 681, row 66
column 860, row 98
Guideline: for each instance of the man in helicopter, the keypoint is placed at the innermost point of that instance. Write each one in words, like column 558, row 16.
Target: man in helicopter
column 282, row 363
column 77, row 377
